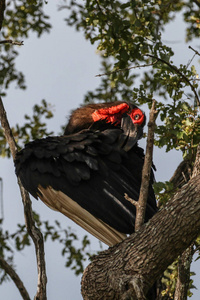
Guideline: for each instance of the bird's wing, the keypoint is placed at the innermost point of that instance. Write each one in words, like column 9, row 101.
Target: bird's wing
column 59, row 201
column 85, row 176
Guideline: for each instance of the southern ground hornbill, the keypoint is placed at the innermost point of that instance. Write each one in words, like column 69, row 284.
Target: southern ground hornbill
column 85, row 173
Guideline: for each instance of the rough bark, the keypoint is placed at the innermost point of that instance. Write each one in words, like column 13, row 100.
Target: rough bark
column 183, row 279
column 130, row 268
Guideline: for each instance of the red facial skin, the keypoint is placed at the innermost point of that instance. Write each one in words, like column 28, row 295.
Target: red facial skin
column 114, row 114
column 137, row 116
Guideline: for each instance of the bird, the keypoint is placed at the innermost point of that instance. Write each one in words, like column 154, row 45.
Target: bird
column 85, row 173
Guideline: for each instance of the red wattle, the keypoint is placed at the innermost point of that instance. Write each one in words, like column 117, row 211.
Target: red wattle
column 111, row 114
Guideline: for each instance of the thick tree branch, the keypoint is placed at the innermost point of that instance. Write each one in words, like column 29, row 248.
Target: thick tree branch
column 33, row 231
column 145, row 255
column 13, row 275
column 146, row 172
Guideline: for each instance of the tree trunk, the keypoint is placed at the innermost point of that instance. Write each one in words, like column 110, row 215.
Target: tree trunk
column 129, row 269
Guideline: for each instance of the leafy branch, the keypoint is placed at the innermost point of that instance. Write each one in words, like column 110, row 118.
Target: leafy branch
column 177, row 71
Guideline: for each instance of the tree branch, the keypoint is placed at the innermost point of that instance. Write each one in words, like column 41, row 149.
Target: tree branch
column 190, row 47
column 2, row 8
column 127, row 69
column 13, row 275
column 140, row 257
column 12, row 42
column 179, row 73
column 196, row 169
column 33, row 231
column 146, row 171
column 183, row 279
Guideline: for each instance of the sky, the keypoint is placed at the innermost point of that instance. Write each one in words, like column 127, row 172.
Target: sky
column 60, row 67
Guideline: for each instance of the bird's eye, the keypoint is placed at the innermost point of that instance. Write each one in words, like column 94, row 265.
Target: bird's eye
column 136, row 117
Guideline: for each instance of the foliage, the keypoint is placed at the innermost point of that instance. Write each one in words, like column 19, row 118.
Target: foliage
column 21, row 19
column 112, row 87
column 130, row 33
column 34, row 127
column 164, row 191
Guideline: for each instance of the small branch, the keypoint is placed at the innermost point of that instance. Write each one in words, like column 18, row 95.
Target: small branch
column 190, row 47
column 127, row 69
column 7, row 131
column 33, row 231
column 12, row 42
column 135, row 203
column 13, row 275
column 146, row 171
column 2, row 9
column 174, row 68
column 1, row 199
column 190, row 61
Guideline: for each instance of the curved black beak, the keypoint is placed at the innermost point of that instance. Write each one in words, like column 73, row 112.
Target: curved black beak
column 132, row 132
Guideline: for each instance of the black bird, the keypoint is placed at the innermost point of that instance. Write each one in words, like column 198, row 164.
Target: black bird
column 85, row 173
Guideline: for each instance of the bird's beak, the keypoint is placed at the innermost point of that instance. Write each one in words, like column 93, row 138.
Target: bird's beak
column 132, row 132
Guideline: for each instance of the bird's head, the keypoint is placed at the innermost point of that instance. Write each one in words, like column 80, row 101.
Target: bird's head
column 114, row 114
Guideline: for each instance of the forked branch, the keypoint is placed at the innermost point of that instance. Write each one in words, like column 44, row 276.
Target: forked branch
column 33, row 231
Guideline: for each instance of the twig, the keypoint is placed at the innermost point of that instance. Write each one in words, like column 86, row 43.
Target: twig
column 126, row 69
column 131, row 200
column 179, row 73
column 195, row 53
column 146, row 171
column 13, row 275
column 2, row 9
column 33, row 231
column 190, row 47
column 1, row 198
column 12, row 42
